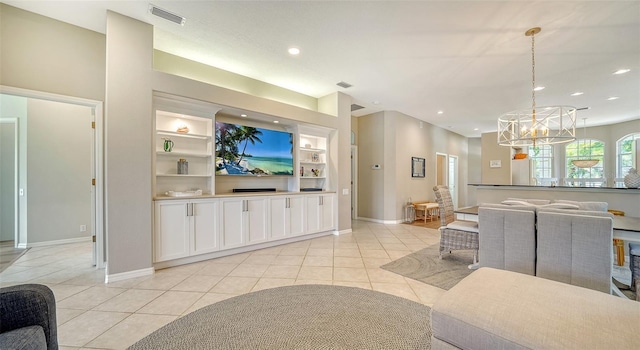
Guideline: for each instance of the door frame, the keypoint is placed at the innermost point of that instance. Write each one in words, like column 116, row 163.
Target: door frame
column 455, row 193
column 14, row 121
column 354, row 182
column 98, row 166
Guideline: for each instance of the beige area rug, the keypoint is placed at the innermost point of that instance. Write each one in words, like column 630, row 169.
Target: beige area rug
column 299, row 317
column 426, row 266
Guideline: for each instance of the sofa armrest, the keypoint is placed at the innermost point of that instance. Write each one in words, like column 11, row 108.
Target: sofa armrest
column 28, row 305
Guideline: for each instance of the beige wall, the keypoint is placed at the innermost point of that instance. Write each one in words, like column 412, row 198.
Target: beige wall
column 128, row 122
column 175, row 65
column 475, row 168
column 43, row 54
column 383, row 193
column 59, row 161
column 491, row 151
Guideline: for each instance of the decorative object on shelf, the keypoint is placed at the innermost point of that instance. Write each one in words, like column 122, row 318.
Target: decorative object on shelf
column 168, row 145
column 301, row 171
column 183, row 129
column 307, row 145
column 315, row 157
column 547, row 125
column 183, row 166
column 589, row 162
column 316, row 172
column 632, row 179
column 417, row 167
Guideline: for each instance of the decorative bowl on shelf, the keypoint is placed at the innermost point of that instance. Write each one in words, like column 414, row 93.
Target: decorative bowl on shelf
column 520, row 156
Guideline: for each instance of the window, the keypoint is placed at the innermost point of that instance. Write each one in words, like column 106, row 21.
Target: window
column 541, row 161
column 585, row 149
column 626, row 151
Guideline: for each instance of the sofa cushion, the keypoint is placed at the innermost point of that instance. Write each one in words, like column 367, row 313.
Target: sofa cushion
column 496, row 309
column 25, row 338
column 595, row 206
column 470, row 226
column 531, row 200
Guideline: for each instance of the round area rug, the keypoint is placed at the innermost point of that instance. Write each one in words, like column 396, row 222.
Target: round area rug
column 299, row 317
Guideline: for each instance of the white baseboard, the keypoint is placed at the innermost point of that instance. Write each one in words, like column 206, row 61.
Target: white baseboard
column 129, row 274
column 342, row 232
column 60, row 241
column 386, row 222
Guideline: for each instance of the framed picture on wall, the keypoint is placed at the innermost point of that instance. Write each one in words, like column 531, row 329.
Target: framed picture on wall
column 417, row 167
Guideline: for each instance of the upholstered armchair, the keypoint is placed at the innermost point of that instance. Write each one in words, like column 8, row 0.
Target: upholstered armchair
column 28, row 317
column 455, row 235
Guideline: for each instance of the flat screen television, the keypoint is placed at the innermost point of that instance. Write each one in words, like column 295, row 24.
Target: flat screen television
column 252, row 151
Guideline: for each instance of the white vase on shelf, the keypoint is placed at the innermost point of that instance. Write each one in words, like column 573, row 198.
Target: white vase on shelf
column 632, row 180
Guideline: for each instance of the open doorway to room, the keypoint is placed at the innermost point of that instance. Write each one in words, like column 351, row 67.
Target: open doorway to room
column 447, row 174
column 354, row 178
column 58, row 172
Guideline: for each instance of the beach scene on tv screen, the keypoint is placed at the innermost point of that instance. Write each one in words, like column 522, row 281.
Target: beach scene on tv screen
column 246, row 150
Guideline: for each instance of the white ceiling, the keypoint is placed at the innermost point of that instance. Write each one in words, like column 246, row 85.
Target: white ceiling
column 469, row 59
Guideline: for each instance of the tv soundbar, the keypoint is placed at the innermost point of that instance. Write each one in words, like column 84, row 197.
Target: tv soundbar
column 254, row 190
column 310, row 189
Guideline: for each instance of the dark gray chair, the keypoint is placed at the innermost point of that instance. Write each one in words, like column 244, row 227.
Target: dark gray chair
column 28, row 318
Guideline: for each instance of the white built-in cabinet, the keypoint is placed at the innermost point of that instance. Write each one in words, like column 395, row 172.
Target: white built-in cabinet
column 184, row 228
column 320, row 212
column 287, row 217
column 243, row 221
column 209, row 218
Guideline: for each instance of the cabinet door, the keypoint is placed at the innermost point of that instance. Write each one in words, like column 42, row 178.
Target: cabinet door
column 233, row 223
column 278, row 227
column 171, row 230
column 256, row 212
column 204, row 237
column 313, row 213
column 296, row 216
column 326, row 213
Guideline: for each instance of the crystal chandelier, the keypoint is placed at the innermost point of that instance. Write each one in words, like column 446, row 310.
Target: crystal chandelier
column 537, row 126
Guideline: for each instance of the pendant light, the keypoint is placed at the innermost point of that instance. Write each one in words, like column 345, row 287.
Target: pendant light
column 537, row 126
column 584, row 163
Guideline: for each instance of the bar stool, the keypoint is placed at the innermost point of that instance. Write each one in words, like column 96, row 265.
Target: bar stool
column 618, row 243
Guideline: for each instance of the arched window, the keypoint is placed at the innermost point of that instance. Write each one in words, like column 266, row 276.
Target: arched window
column 541, row 162
column 585, row 149
column 626, row 154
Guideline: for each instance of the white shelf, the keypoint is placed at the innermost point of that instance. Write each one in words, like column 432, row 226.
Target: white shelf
column 189, row 154
column 312, row 163
column 316, row 150
column 178, row 134
column 182, row 175
column 312, row 177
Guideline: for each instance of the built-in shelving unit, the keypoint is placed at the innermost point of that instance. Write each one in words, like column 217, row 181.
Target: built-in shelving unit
column 193, row 144
column 312, row 153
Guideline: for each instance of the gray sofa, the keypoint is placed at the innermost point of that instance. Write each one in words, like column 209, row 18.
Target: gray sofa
column 498, row 309
column 28, row 318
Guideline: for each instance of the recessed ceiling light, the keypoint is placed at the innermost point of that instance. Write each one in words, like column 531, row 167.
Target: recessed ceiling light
column 294, row 51
column 243, row 115
column 621, row 71
column 538, row 88
column 578, row 93
column 376, row 102
column 475, row 129
column 613, row 98
column 275, row 121
column 440, row 112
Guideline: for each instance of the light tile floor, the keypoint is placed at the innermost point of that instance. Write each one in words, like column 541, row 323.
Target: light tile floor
column 94, row 315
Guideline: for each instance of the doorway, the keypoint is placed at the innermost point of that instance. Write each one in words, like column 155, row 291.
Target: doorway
column 59, row 172
column 8, row 182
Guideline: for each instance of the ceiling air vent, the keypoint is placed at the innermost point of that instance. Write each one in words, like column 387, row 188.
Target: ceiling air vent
column 344, row 85
column 156, row 11
column 355, row 107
